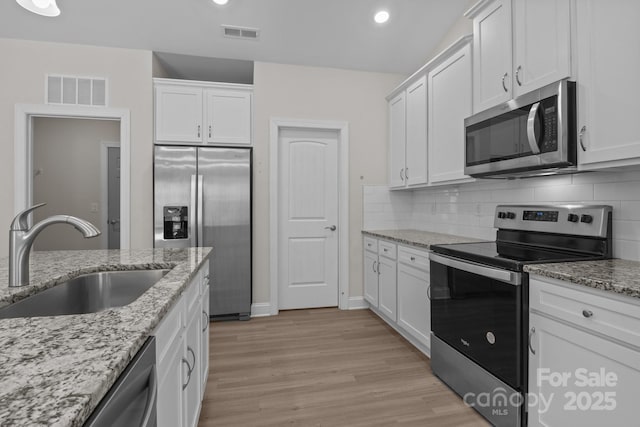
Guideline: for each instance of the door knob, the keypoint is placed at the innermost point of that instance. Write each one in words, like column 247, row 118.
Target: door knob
column 332, row 228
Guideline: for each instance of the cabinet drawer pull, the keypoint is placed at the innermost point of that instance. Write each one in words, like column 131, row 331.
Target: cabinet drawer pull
column 189, row 370
column 580, row 137
column 531, row 332
column 373, row 266
column 206, row 320
column 587, row 313
column 385, row 249
column 413, row 258
column 518, row 75
column 503, row 85
column 190, row 350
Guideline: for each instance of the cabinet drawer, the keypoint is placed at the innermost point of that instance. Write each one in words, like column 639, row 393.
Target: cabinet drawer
column 414, row 257
column 387, row 249
column 192, row 294
column 370, row 244
column 169, row 330
column 589, row 308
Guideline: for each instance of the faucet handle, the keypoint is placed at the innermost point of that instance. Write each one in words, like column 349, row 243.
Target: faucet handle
column 20, row 222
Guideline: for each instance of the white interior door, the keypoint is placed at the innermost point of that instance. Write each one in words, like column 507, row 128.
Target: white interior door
column 308, row 218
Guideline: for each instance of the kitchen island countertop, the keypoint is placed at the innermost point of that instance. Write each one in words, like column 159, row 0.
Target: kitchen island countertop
column 55, row 370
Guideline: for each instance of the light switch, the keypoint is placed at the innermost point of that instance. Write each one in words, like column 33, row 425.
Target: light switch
column 94, row 207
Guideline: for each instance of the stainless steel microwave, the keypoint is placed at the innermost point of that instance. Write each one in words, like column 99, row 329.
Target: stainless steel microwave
column 534, row 134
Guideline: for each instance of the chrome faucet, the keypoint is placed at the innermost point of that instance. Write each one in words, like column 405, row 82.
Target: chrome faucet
column 21, row 239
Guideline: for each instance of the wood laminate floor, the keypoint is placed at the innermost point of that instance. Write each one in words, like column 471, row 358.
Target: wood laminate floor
column 323, row 367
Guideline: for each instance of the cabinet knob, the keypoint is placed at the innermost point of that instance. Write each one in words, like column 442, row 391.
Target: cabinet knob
column 413, row 258
column 587, row 313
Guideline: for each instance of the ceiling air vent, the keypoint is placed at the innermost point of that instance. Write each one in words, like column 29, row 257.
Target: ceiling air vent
column 240, row 32
column 71, row 90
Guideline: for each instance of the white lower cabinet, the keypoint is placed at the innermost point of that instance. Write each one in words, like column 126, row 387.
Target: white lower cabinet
column 204, row 342
column 396, row 282
column 414, row 306
column 179, row 357
column 579, row 373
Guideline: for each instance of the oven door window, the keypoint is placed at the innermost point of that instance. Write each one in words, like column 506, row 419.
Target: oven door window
column 480, row 317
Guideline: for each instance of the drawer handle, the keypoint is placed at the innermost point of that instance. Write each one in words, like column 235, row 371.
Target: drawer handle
column 386, row 250
column 205, row 316
column 189, row 370
column 531, row 332
column 413, row 258
column 587, row 313
column 373, row 266
column 190, row 350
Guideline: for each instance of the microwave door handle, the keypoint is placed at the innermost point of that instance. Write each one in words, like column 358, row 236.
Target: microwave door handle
column 531, row 128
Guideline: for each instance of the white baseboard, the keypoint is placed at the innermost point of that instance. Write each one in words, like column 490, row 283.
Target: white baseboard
column 357, row 303
column 261, row 309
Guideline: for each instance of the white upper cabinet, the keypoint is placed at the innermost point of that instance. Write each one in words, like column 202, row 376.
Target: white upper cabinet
column 449, row 92
column 202, row 112
column 541, row 43
column 608, row 85
column 178, row 114
column 492, row 61
column 397, row 140
column 519, row 46
column 228, row 117
column 416, row 165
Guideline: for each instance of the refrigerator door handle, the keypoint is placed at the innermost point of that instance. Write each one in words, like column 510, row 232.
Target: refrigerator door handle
column 192, row 212
column 200, row 241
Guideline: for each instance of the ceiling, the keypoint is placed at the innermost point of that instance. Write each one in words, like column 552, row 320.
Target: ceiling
column 328, row 33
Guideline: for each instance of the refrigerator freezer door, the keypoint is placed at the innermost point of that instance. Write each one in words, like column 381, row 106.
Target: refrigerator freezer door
column 226, row 217
column 174, row 195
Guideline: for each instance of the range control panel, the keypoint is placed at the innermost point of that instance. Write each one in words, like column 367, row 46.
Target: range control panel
column 580, row 220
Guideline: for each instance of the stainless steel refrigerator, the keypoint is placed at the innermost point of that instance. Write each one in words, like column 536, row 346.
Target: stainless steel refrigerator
column 202, row 197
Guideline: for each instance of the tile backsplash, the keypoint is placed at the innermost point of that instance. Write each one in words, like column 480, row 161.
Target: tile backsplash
column 468, row 209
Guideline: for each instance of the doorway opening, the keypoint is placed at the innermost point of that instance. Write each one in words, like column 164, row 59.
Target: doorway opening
column 61, row 158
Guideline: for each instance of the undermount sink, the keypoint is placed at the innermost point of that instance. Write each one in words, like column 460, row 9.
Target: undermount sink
column 88, row 293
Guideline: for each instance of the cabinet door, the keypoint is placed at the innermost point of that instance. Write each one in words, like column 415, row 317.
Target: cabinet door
column 204, row 342
column 416, row 127
column 178, row 114
column 607, row 44
column 492, row 60
column 228, row 115
column 542, row 43
column 387, row 287
column 371, row 278
column 397, row 141
column 449, row 104
column 191, row 393
column 562, row 351
column 414, row 307
column 170, row 380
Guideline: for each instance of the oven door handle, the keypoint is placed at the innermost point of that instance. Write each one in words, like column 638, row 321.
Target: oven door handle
column 510, row 277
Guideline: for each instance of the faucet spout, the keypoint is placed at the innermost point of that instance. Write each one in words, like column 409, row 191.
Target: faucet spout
column 21, row 240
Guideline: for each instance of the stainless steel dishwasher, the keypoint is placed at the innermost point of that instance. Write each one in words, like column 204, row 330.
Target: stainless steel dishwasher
column 131, row 402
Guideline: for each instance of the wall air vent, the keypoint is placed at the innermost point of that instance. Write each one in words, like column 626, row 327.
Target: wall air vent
column 72, row 90
column 240, row 32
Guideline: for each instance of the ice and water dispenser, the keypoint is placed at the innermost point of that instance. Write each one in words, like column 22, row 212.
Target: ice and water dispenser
column 176, row 224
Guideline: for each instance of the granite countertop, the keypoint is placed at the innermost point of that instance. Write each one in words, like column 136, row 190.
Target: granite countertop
column 612, row 275
column 423, row 239
column 55, row 370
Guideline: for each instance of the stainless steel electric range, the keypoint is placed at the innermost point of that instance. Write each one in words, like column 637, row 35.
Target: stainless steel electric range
column 479, row 300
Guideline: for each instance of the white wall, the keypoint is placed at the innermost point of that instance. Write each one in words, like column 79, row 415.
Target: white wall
column 468, row 209
column 67, row 156
column 288, row 91
column 22, row 80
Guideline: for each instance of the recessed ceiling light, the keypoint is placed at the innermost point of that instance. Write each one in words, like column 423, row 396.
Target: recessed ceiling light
column 381, row 17
column 221, row 2
column 41, row 7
